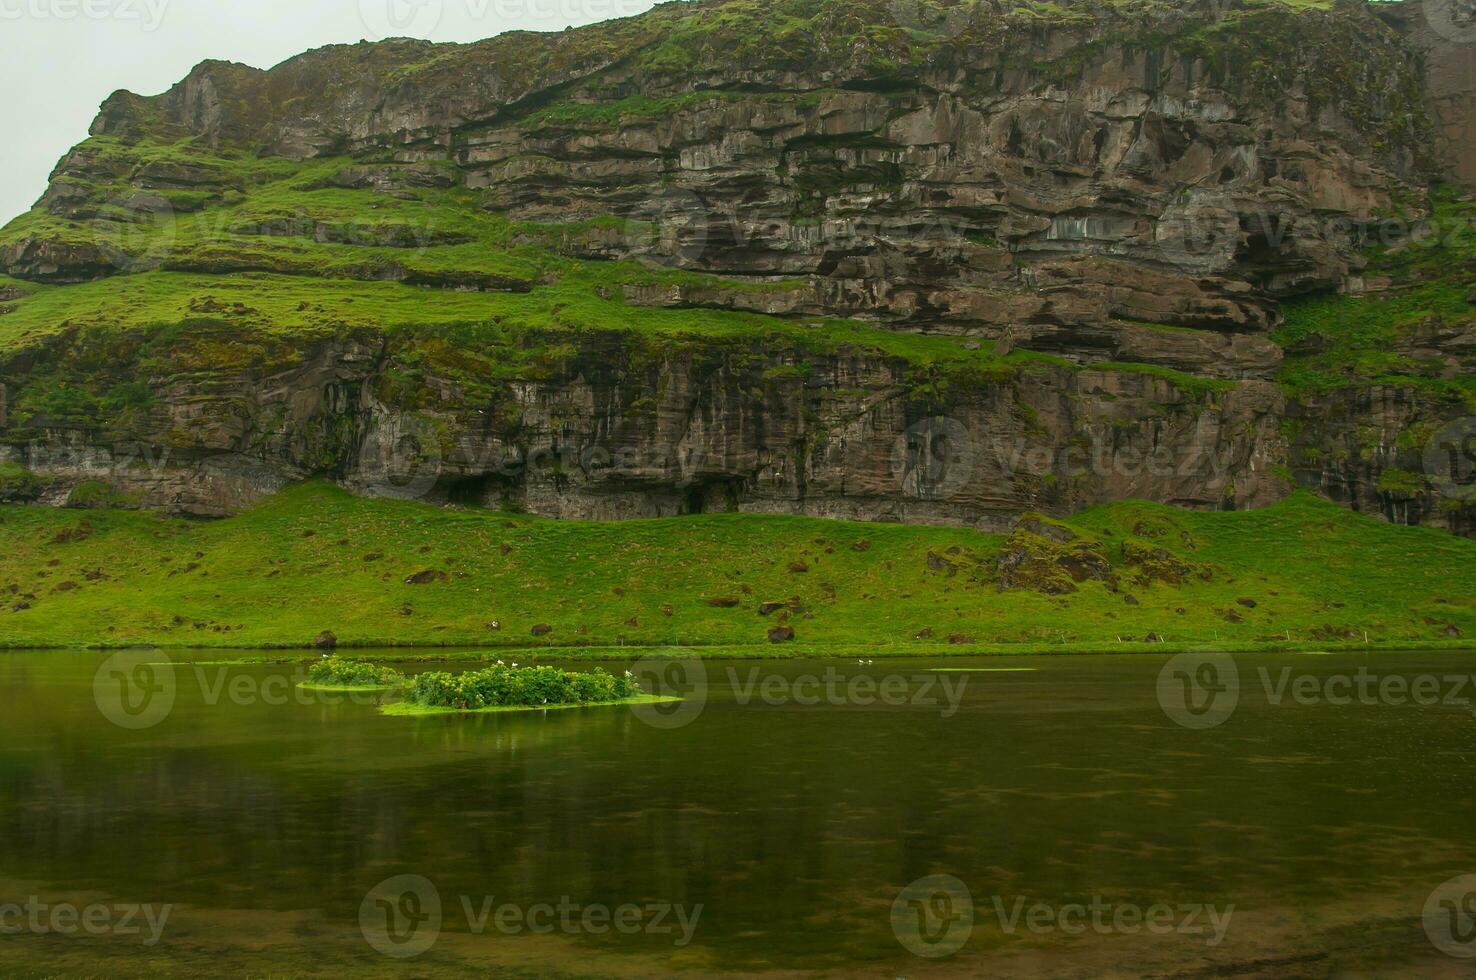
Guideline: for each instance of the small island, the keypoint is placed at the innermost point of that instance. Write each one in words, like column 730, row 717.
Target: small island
column 501, row 687
column 504, row 687
column 334, row 675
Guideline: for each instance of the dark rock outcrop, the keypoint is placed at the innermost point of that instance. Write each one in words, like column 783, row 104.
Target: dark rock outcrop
column 615, row 433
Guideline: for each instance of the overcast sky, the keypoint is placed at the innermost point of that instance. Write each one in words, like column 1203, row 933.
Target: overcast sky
column 60, row 58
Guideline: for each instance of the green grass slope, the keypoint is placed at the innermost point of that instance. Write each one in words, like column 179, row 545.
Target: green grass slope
column 1304, row 572
column 1425, row 274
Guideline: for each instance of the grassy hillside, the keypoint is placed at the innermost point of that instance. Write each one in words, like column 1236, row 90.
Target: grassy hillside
column 1304, row 572
column 1424, row 274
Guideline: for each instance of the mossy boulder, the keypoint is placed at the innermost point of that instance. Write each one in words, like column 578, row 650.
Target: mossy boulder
column 1045, row 527
column 95, row 494
column 1150, row 564
column 1055, row 562
column 18, row 484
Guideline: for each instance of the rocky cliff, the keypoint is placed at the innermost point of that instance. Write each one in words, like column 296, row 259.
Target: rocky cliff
column 915, row 261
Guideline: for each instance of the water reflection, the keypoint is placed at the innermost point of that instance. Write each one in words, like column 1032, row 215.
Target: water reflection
column 793, row 826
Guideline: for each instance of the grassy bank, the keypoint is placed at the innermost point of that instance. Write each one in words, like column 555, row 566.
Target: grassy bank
column 1304, row 574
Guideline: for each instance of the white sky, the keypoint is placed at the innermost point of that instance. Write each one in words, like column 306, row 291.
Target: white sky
column 60, row 58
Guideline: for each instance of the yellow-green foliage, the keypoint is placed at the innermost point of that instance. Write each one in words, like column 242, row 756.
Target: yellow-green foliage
column 315, row 558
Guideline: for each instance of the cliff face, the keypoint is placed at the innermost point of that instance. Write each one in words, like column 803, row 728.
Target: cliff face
column 1442, row 33
column 620, row 431
column 1049, row 253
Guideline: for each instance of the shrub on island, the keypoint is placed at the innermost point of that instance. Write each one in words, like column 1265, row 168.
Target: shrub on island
column 532, row 687
column 333, row 672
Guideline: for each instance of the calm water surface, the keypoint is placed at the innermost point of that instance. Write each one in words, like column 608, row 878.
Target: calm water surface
column 264, row 820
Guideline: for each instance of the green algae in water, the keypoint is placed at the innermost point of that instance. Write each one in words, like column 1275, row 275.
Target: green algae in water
column 410, row 709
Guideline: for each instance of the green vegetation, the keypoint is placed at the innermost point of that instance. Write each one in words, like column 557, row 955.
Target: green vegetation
column 1427, row 274
column 273, row 308
column 315, row 558
column 503, row 686
column 298, row 252
column 1254, row 46
column 1190, row 384
column 17, row 482
column 412, row 709
column 334, row 674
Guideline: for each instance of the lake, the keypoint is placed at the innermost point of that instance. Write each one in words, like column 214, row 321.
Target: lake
column 1273, row 815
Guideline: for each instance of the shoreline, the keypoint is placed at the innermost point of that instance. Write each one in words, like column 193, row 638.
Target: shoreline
column 411, row 709
column 347, row 688
column 453, row 652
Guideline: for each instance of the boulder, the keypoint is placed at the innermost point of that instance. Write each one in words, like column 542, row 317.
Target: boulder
column 792, row 604
column 1152, row 564
column 1053, row 565
column 937, row 563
